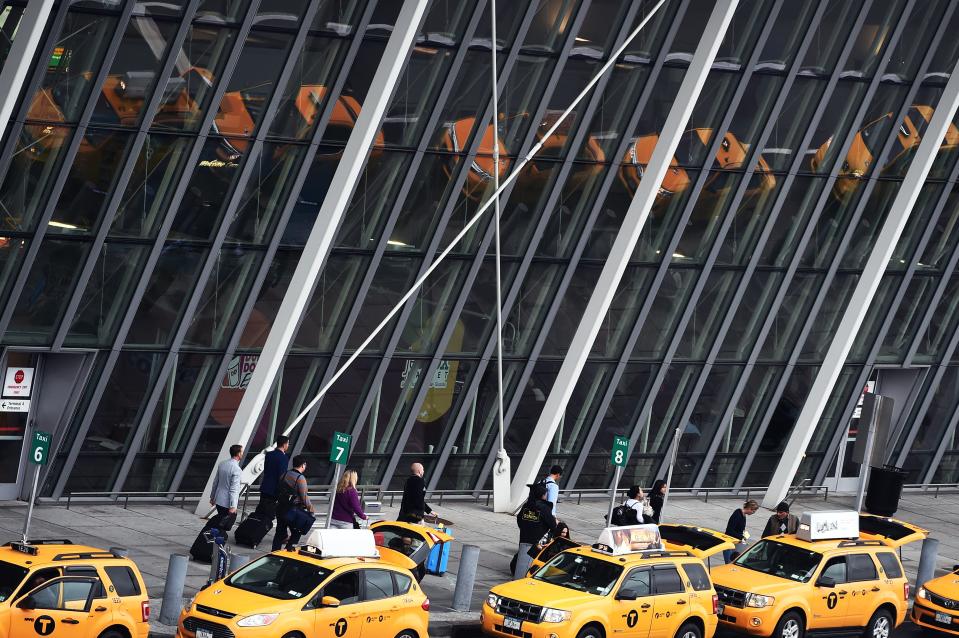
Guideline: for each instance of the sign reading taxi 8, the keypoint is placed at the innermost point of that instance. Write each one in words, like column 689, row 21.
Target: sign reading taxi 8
column 620, row 451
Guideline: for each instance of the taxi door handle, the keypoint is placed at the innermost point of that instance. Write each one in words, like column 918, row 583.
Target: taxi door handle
column 843, row 592
column 645, row 606
column 680, row 602
column 875, row 589
column 70, row 621
column 100, row 609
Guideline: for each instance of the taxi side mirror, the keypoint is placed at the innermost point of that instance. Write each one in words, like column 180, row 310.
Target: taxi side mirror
column 329, row 601
column 27, row 603
column 627, row 594
column 826, row 581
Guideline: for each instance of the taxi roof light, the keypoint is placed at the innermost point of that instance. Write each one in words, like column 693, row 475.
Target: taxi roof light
column 830, row 525
column 341, row 543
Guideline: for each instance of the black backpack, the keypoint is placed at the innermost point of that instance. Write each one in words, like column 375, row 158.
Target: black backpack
column 624, row 515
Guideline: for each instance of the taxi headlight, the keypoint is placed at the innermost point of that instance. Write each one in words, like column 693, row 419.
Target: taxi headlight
column 555, row 615
column 759, row 601
column 922, row 593
column 492, row 600
column 257, row 620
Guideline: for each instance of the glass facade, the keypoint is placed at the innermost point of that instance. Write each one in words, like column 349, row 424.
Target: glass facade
column 167, row 160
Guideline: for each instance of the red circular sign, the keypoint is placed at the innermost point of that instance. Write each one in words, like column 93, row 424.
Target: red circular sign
column 18, row 376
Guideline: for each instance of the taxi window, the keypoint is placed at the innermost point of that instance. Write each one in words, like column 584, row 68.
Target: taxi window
column 379, row 584
column 63, row 594
column 10, row 576
column 345, row 588
column 860, row 567
column 890, row 564
column 666, row 580
column 581, row 573
column 279, row 577
column 780, row 559
column 124, row 581
column 403, row 583
column 37, row 578
column 638, row 581
column 697, row 575
column 835, row 569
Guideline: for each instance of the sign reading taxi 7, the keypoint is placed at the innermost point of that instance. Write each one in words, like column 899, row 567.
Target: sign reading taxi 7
column 340, row 450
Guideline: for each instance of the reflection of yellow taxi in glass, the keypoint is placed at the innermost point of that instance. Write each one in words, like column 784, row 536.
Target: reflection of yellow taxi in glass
column 454, row 139
column 869, row 140
column 628, row 584
column 412, row 540
column 838, row 572
column 344, row 587
column 937, row 603
column 55, row 588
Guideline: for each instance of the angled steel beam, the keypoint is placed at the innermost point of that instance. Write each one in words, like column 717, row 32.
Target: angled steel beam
column 623, row 247
column 865, row 289
column 25, row 42
column 328, row 220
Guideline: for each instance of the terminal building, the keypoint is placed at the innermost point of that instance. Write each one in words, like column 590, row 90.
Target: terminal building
column 175, row 175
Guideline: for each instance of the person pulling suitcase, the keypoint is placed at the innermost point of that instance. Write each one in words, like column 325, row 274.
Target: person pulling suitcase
column 257, row 525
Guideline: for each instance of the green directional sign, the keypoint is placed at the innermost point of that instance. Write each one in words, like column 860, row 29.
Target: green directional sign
column 40, row 448
column 620, row 451
column 340, row 450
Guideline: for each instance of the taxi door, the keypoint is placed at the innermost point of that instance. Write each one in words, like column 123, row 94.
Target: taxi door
column 670, row 602
column 59, row 608
column 864, row 589
column 379, row 603
column 828, row 604
column 629, row 617
column 344, row 620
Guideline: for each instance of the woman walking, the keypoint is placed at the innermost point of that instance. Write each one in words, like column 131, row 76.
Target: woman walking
column 346, row 502
column 657, row 496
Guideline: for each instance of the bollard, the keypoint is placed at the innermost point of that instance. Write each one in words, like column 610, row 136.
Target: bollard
column 523, row 559
column 237, row 561
column 927, row 561
column 120, row 551
column 173, row 590
column 465, row 577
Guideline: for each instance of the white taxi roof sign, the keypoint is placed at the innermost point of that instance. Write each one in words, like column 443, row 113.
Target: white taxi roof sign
column 831, row 525
column 343, row 543
column 630, row 539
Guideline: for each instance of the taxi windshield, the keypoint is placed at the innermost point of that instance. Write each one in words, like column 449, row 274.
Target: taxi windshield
column 10, row 578
column 279, row 577
column 581, row 573
column 780, row 559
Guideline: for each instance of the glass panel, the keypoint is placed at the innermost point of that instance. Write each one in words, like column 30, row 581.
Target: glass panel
column 306, row 208
column 659, row 325
column 944, row 59
column 942, row 324
column 268, row 300
column 595, row 37
column 267, row 192
column 920, row 26
column 221, row 10
column 873, row 37
column 358, row 79
column 616, row 106
column 571, row 309
column 46, row 293
column 189, row 88
column 329, row 306
column 106, row 297
column 36, row 162
column 916, row 225
column 393, row 277
column 704, row 421
column 434, row 415
column 425, row 202
column 338, row 16
column 705, row 318
column 208, row 192
column 930, row 431
column 416, row 95
column 520, row 97
column 943, row 240
column 792, row 219
column 457, row 122
column 875, row 317
column 758, row 294
column 569, row 214
column 550, row 22
column 905, row 322
column 226, row 292
column 12, row 252
column 166, row 296
column 791, row 316
column 476, row 322
column 837, row 119
column 114, row 421
column 376, row 192
column 281, row 14
column 710, row 208
column 431, row 307
column 671, row 199
column 863, row 237
column 536, row 292
column 830, row 37
column 786, row 132
column 747, row 23
column 788, row 32
column 621, row 317
column 824, row 324
column 9, row 21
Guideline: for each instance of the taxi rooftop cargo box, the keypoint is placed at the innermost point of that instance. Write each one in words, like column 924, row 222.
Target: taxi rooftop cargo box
column 820, row 526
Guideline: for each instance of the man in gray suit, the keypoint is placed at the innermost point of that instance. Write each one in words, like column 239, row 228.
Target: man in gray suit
column 226, row 485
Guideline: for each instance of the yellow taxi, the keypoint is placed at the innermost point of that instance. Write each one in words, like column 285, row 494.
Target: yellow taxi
column 344, row 586
column 839, row 572
column 55, row 588
column 412, row 540
column 627, row 584
column 937, row 603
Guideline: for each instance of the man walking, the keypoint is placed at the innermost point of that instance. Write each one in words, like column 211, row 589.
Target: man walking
column 534, row 519
column 274, row 467
column 782, row 522
column 552, row 486
column 225, row 495
column 292, row 493
column 414, row 507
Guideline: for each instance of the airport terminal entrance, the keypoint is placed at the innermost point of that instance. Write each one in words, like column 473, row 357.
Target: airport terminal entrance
column 40, row 392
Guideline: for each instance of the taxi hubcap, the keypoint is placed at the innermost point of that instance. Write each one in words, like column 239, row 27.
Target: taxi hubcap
column 881, row 628
column 690, row 634
column 791, row 629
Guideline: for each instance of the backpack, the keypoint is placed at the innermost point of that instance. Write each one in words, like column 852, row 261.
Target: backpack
column 624, row 515
column 286, row 494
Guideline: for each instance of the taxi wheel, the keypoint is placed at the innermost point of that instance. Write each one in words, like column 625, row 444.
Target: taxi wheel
column 689, row 630
column 111, row 633
column 590, row 631
column 880, row 625
column 406, row 633
column 789, row 626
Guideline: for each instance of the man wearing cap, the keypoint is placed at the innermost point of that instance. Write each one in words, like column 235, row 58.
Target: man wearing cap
column 782, row 522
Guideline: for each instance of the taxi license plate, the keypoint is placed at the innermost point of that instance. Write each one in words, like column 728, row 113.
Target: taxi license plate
column 943, row 618
column 509, row 623
column 203, row 633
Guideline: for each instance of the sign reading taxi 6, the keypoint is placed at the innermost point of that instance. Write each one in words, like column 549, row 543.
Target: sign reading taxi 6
column 40, row 450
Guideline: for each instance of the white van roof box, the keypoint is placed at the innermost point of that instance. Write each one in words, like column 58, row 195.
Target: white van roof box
column 820, row 526
column 342, row 543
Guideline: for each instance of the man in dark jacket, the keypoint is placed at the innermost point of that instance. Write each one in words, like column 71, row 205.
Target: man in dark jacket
column 274, row 467
column 414, row 507
column 534, row 519
column 782, row 522
column 736, row 527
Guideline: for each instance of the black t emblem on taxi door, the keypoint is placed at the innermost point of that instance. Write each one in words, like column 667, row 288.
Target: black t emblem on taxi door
column 340, row 627
column 832, row 600
column 44, row 625
column 632, row 618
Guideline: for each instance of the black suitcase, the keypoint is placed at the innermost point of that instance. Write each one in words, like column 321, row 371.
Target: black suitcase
column 202, row 549
column 252, row 530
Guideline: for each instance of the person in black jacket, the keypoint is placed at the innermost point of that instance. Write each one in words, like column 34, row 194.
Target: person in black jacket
column 535, row 519
column 736, row 527
column 657, row 497
column 275, row 466
column 414, row 507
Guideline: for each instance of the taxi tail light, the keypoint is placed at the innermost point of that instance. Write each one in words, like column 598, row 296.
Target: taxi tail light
column 715, row 604
column 426, row 605
column 145, row 610
column 905, row 590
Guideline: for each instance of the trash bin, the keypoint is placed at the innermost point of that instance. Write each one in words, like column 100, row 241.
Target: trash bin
column 884, row 490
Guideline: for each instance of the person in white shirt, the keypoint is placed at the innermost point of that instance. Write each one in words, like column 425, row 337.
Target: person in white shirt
column 637, row 501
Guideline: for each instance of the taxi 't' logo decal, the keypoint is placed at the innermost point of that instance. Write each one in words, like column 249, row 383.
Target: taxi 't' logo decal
column 44, row 625
column 832, row 600
column 340, row 628
column 632, row 618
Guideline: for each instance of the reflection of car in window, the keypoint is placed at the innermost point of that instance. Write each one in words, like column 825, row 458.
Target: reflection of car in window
column 455, row 139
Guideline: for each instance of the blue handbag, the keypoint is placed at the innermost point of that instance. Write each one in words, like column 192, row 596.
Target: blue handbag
column 299, row 520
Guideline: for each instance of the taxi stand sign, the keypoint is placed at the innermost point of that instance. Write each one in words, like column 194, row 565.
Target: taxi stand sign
column 339, row 454
column 830, row 525
column 39, row 455
column 619, row 455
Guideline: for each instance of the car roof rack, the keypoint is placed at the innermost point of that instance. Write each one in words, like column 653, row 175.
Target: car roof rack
column 862, row 543
column 85, row 556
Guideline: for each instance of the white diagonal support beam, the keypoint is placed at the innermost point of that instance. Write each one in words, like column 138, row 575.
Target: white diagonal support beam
column 324, row 229
column 622, row 249
column 862, row 296
column 26, row 39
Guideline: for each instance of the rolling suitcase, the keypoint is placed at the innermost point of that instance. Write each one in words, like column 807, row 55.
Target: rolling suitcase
column 202, row 548
column 252, row 530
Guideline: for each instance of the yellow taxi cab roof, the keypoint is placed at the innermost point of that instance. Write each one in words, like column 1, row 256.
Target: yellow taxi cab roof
column 632, row 558
column 47, row 552
column 828, row 545
column 332, row 563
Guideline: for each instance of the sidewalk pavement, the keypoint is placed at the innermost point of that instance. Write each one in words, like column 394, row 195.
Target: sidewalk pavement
column 152, row 532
